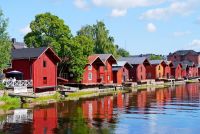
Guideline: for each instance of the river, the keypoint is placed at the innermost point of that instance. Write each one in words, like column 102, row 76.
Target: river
column 173, row 110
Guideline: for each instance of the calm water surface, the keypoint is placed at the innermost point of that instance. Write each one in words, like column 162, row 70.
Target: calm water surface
column 174, row 110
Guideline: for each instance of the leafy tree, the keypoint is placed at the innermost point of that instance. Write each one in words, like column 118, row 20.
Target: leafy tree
column 155, row 57
column 122, row 52
column 86, row 43
column 103, row 42
column 50, row 30
column 5, row 43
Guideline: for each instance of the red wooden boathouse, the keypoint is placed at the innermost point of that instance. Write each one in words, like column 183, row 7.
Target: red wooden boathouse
column 138, row 72
column 38, row 65
column 106, row 75
column 167, row 69
column 91, row 74
column 121, row 72
column 156, row 70
column 176, row 70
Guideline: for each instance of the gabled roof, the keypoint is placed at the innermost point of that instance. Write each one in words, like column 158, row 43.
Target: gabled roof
column 105, row 57
column 120, row 64
column 175, row 64
column 134, row 60
column 186, row 64
column 156, row 62
column 32, row 53
column 93, row 58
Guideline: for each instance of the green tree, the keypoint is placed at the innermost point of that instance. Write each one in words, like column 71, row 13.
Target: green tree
column 122, row 52
column 86, row 43
column 103, row 42
column 5, row 43
column 50, row 30
column 155, row 57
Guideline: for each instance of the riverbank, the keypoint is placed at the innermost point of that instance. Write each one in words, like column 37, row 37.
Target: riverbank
column 7, row 102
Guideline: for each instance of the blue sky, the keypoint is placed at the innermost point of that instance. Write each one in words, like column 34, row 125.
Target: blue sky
column 140, row 26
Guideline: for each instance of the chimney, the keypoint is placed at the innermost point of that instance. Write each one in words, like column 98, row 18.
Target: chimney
column 13, row 40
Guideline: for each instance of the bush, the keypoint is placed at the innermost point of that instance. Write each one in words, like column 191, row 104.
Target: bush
column 2, row 86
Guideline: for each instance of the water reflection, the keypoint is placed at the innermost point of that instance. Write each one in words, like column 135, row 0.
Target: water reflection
column 167, row 110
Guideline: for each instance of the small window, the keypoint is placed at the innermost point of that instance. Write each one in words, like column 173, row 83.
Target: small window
column 102, row 78
column 90, row 67
column 141, row 77
column 108, row 77
column 44, row 63
column 89, row 76
column 141, row 69
column 44, row 80
column 105, row 68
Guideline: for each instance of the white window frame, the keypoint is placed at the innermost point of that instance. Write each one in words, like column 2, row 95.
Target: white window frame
column 89, row 76
column 89, row 67
column 108, row 77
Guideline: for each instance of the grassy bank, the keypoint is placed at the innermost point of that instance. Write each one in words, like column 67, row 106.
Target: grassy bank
column 8, row 102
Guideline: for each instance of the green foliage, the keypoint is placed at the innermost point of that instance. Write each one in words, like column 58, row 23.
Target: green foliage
column 122, row 52
column 2, row 86
column 5, row 44
column 156, row 57
column 49, row 30
column 99, row 34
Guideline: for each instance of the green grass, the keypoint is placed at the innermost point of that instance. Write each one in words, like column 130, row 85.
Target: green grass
column 81, row 93
column 10, row 100
column 56, row 97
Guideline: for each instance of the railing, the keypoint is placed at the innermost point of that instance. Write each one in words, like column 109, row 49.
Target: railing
column 11, row 83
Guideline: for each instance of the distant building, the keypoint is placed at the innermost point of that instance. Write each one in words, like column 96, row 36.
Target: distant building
column 18, row 45
column 185, row 55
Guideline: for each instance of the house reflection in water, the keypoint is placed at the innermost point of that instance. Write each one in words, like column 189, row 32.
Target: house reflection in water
column 98, row 109
column 44, row 120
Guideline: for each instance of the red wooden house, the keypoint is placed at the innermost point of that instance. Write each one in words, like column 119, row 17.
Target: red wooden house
column 38, row 65
column 138, row 72
column 156, row 70
column 176, row 70
column 91, row 74
column 121, row 72
column 167, row 69
column 106, row 75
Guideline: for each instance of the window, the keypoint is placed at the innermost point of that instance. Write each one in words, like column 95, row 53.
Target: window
column 90, row 67
column 141, row 69
column 141, row 77
column 44, row 80
column 105, row 68
column 44, row 63
column 108, row 77
column 89, row 76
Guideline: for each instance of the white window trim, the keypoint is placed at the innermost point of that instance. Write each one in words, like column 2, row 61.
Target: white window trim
column 89, row 76
column 89, row 67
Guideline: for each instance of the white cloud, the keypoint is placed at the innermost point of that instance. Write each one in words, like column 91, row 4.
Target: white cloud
column 118, row 13
column 25, row 30
column 151, row 27
column 82, row 4
column 178, row 34
column 175, row 8
column 120, row 7
column 195, row 45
